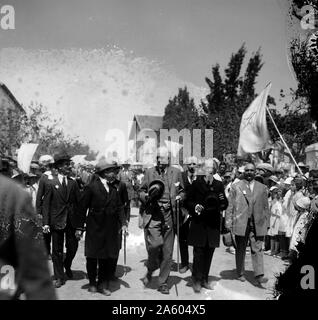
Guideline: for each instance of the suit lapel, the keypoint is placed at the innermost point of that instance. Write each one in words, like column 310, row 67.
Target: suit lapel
column 69, row 188
column 59, row 189
column 102, row 189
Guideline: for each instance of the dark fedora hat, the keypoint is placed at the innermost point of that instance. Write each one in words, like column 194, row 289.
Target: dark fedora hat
column 103, row 165
column 211, row 203
column 60, row 157
column 158, row 187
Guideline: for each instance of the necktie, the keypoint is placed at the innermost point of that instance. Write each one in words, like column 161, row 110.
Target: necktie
column 64, row 187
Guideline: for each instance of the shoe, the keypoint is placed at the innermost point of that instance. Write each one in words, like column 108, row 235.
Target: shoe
column 267, row 252
column 101, row 289
column 196, row 287
column 164, row 289
column 184, row 269
column 59, row 283
column 241, row 278
column 92, row 288
column 146, row 279
column 206, row 285
column 261, row 280
column 69, row 273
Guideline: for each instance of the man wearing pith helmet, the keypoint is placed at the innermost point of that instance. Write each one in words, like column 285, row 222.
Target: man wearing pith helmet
column 159, row 217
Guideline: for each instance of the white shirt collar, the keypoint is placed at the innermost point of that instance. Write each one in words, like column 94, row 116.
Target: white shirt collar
column 60, row 177
column 105, row 184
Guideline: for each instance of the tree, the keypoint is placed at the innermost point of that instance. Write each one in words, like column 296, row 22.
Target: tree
column 304, row 57
column 295, row 125
column 181, row 112
column 228, row 99
column 38, row 127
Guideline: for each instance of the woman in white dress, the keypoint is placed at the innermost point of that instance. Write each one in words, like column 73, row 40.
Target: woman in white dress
column 276, row 209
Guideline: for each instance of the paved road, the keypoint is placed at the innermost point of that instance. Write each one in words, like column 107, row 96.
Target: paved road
column 129, row 286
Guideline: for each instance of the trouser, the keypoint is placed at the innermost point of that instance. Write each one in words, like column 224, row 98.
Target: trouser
column 257, row 256
column 267, row 243
column 202, row 258
column 159, row 244
column 183, row 243
column 99, row 271
column 47, row 241
column 284, row 244
column 71, row 244
column 274, row 245
column 127, row 210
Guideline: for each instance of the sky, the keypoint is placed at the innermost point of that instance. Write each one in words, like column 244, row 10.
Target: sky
column 97, row 63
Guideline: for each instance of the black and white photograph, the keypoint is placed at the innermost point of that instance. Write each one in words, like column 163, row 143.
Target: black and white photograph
column 158, row 150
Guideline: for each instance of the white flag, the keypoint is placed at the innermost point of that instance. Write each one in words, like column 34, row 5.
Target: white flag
column 254, row 136
column 25, row 155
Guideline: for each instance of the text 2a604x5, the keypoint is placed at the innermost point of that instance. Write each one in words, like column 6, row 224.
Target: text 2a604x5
column 180, row 309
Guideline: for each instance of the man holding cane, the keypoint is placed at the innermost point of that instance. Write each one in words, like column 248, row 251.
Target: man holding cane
column 159, row 216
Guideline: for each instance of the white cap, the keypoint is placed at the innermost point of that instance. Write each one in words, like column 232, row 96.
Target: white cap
column 288, row 180
column 46, row 159
column 303, row 203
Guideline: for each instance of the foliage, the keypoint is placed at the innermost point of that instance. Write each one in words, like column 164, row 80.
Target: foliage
column 229, row 98
column 38, row 127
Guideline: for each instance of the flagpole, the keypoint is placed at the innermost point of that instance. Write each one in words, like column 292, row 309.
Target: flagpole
column 285, row 144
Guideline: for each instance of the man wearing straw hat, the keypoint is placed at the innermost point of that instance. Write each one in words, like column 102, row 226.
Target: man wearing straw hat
column 160, row 216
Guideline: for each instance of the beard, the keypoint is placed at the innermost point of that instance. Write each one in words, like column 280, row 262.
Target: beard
column 249, row 177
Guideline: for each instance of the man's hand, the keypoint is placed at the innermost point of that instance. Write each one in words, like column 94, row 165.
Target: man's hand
column 178, row 198
column 198, row 209
column 124, row 230
column 78, row 234
column 46, row 229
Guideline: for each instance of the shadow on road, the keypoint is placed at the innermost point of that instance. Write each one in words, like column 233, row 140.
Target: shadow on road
column 212, row 279
column 78, row 275
column 231, row 275
column 122, row 270
column 174, row 266
column 114, row 285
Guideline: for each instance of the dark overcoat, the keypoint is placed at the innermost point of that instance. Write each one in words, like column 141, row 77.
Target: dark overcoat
column 205, row 228
column 104, row 220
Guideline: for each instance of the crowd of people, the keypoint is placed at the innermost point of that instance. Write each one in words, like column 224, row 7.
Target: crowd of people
column 252, row 205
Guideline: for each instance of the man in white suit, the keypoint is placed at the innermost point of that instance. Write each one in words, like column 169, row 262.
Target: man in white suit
column 248, row 217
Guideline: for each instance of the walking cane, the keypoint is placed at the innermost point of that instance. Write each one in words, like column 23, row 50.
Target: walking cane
column 178, row 249
column 125, row 269
column 177, row 208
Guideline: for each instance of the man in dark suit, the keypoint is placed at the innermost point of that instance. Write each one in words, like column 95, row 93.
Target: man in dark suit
column 105, row 222
column 21, row 245
column 205, row 200
column 248, row 217
column 159, row 220
column 46, row 164
column 188, row 177
column 59, row 209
